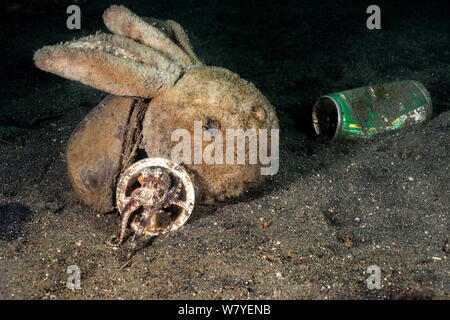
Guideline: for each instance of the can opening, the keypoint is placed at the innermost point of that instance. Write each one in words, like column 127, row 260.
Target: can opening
column 326, row 118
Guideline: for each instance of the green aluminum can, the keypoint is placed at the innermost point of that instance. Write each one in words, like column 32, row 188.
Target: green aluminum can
column 365, row 111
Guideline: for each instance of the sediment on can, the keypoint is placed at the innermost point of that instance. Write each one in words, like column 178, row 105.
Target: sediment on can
column 365, row 111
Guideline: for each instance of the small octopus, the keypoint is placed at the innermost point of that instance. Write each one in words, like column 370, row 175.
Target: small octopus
column 157, row 192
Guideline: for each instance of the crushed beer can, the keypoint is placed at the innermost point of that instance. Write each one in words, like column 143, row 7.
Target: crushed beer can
column 365, row 111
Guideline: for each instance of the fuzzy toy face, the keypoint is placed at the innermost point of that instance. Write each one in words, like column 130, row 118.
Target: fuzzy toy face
column 219, row 100
column 157, row 86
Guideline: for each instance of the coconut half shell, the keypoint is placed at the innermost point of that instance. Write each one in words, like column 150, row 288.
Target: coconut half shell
column 94, row 152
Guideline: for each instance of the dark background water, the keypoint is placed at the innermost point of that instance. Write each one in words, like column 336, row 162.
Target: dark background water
column 332, row 210
column 294, row 51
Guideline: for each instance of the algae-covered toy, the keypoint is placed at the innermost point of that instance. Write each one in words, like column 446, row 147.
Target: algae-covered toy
column 157, row 85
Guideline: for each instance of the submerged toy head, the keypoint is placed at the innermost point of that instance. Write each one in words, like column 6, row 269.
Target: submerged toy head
column 157, row 85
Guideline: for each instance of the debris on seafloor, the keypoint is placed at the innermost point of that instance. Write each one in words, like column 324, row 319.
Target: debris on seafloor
column 160, row 191
column 365, row 111
column 161, row 186
column 158, row 87
column 150, row 101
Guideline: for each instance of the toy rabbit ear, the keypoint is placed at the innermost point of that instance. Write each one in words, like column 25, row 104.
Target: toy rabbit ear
column 121, row 21
column 176, row 33
column 111, row 63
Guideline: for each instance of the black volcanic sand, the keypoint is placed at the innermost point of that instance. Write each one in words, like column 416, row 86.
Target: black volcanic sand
column 332, row 210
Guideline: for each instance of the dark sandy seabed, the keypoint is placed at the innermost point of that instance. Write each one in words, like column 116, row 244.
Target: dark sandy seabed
column 332, row 210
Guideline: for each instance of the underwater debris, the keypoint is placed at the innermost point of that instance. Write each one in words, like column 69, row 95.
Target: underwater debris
column 154, row 196
column 365, row 111
column 157, row 85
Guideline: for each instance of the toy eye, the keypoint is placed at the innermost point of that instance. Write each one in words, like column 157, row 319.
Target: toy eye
column 212, row 124
column 259, row 113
